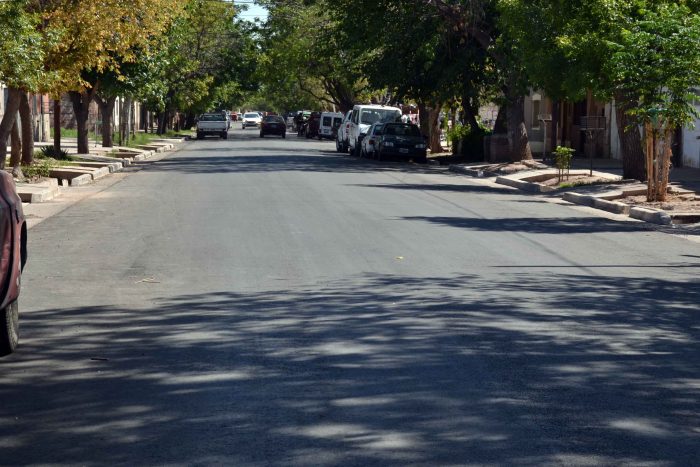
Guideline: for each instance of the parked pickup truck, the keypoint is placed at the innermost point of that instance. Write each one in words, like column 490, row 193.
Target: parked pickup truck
column 212, row 124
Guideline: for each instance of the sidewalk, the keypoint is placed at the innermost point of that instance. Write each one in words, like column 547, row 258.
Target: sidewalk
column 685, row 177
column 85, row 175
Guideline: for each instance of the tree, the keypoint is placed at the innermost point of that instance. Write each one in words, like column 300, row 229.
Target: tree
column 659, row 57
column 21, row 54
column 302, row 53
column 96, row 35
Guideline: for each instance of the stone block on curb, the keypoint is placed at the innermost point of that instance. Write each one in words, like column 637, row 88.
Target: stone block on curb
column 40, row 192
column 650, row 215
column 578, row 198
column 523, row 185
column 611, row 206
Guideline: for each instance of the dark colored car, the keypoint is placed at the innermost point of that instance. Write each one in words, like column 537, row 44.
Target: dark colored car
column 404, row 141
column 273, row 125
column 14, row 256
column 312, row 125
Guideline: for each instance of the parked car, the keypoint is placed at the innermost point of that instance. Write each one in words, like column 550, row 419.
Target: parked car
column 341, row 138
column 403, row 140
column 14, row 257
column 273, row 125
column 251, row 119
column 329, row 124
column 312, row 125
column 214, row 123
column 370, row 143
column 363, row 116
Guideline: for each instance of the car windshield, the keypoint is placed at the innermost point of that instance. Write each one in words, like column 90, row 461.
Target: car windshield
column 212, row 117
column 370, row 116
column 252, row 115
column 377, row 129
column 402, row 130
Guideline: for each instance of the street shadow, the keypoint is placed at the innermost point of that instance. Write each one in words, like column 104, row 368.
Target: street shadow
column 274, row 160
column 522, row 368
column 442, row 187
column 538, row 225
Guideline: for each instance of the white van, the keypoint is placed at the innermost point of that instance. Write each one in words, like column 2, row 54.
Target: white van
column 363, row 116
column 328, row 125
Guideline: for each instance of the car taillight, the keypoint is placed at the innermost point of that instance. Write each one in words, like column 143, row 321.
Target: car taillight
column 371, row 142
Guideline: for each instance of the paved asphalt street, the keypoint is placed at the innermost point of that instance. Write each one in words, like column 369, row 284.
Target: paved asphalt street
column 270, row 302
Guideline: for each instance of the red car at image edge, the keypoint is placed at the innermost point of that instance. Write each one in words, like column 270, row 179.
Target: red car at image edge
column 13, row 230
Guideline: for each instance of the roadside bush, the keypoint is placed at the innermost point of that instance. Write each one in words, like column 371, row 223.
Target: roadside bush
column 467, row 143
column 39, row 168
column 51, row 152
column 562, row 158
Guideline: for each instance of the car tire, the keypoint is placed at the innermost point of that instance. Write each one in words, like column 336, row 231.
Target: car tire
column 379, row 155
column 9, row 328
column 284, row 135
column 262, row 135
column 421, row 160
column 224, row 135
column 199, row 135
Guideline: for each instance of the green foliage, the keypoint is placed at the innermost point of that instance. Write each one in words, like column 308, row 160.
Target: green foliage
column 21, row 47
column 562, row 158
column 39, row 168
column 304, row 63
column 658, row 56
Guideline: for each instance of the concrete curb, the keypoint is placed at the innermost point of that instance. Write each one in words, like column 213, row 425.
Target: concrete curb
column 523, row 185
column 611, row 206
column 38, row 192
column 476, row 173
column 578, row 198
column 650, row 215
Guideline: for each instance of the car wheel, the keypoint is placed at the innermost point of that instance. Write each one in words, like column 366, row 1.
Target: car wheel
column 9, row 328
column 262, row 135
column 199, row 135
column 224, row 135
column 379, row 155
column 421, row 160
column 284, row 135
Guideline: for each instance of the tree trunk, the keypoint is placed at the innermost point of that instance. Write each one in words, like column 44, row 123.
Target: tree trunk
column 57, row 124
column 8, row 120
column 81, row 108
column 434, row 127
column 500, row 125
column 162, row 121
column 189, row 122
column 470, row 114
column 27, row 122
column 517, row 133
column 106, row 106
column 633, row 158
column 15, row 146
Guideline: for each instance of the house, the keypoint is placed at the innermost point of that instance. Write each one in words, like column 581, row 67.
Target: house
column 604, row 143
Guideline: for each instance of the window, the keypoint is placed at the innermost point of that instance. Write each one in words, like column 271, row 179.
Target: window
column 326, row 121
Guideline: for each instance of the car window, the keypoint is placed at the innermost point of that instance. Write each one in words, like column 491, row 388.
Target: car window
column 377, row 130
column 327, row 121
column 337, row 121
column 252, row 115
column 370, row 116
column 212, row 118
column 354, row 116
column 402, row 130
column 273, row 118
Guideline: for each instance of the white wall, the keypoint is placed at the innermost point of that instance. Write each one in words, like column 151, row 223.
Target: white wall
column 691, row 145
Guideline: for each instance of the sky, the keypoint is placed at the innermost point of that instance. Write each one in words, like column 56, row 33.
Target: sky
column 253, row 10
